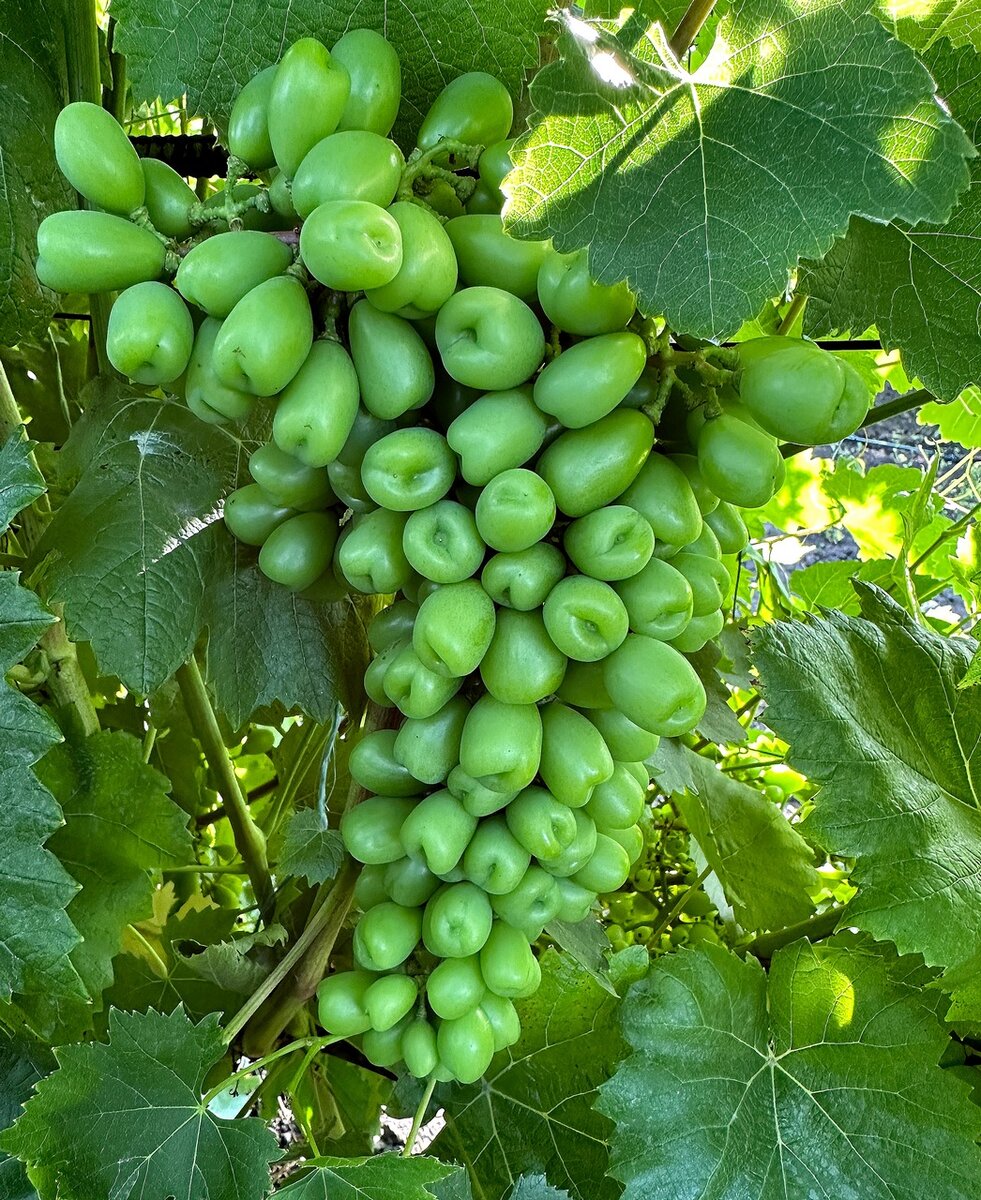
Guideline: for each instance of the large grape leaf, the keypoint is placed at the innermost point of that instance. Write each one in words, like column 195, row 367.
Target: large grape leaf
column 704, row 190
column 532, row 1112
column 22, row 1065
column 765, row 867
column 210, row 48
column 36, row 934
column 266, row 644
column 32, row 67
column 120, row 825
column 382, row 1177
column 125, row 1119
column 131, row 549
column 142, row 561
column 920, row 284
column 922, row 25
column 871, row 710
column 819, row 1080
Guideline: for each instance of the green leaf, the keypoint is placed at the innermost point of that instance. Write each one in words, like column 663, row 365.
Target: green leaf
column 131, row 550
column 923, row 25
column 665, row 175
column 964, row 985
column 266, row 644
column 20, row 480
column 719, row 723
column 311, row 851
column 536, row 1187
column 532, row 1112
column 132, row 1109
column 871, row 710
column 829, row 584
column 819, row 1080
column 32, row 67
column 902, row 276
column 588, row 944
column 187, row 957
column 670, row 767
column 36, row 934
column 959, row 421
column 454, row 1187
column 120, row 825
column 233, row 39
column 381, row 1177
column 765, row 867
column 22, row 1065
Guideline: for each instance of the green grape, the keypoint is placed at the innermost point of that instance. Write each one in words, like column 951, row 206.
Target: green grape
column 502, row 744
column 375, row 80
column 457, row 921
column 438, row 831
column 371, row 829
column 370, row 554
column 304, row 426
column 351, row 245
column 507, row 963
column 264, row 340
column 466, row 1045
column 474, row 108
column 308, row 96
column 588, row 381
column 442, row 543
column 494, row 859
column 169, row 199
column 515, row 510
column 390, row 999
column 410, row 882
column 523, row 579
column 430, row 747
column 393, row 365
column 419, row 1049
column 150, row 334
column 95, row 252
column 495, row 433
column 574, row 756
column 488, row 338
column 287, row 481
column 504, row 1021
column 341, row 1003
column 587, row 468
column 427, row 277
column 585, row 618
column 248, row 122
column 611, row 543
column 573, row 301
column 298, row 551
column 373, row 765
column 97, row 158
column 351, row 165
column 408, row 469
column 220, row 271
column 455, row 987
column 251, row 516
column 454, row 628
column 488, row 257
column 543, row 826
column 386, row 935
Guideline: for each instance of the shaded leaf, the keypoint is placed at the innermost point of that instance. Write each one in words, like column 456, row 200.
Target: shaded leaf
column 588, row 944
column 871, row 710
column 920, row 284
column 820, row 1080
column 311, row 850
column 137, row 1121
column 958, row 421
column 536, row 1187
column 665, row 174
column 20, row 480
column 532, row 1112
column 32, row 67
column 22, row 1065
column 233, row 39
column 765, row 867
column 120, row 824
column 381, row 1177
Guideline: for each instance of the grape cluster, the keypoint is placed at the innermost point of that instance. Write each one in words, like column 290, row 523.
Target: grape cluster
column 463, row 424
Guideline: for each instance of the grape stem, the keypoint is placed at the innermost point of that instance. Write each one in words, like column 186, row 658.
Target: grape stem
column 248, row 837
column 678, row 907
column 691, row 23
column 821, row 925
column 254, row 1067
column 270, row 1009
column 420, row 1116
column 791, row 315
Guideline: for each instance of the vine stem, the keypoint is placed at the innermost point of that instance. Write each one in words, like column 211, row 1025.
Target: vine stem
column 253, row 1067
column 791, row 315
column 821, row 925
column 420, row 1116
column 698, row 13
column 248, row 837
column 679, row 905
column 271, row 1008
column 65, row 679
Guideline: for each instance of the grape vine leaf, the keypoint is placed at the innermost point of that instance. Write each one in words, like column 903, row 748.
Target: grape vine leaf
column 138, row 1124
column 211, row 48
column 765, row 867
column 266, row 644
column 818, row 1080
column 380, row 1177
column 871, row 710
column 923, row 25
column 532, row 1112
column 829, row 584
column 120, row 825
column 455, row 1186
column 536, row 1187
column 958, row 421
column 588, row 944
column 919, row 283
column 32, row 67
column 130, row 551
column 704, row 190
column 22, row 1065
column 310, row 850
column 36, row 933
column 20, row 480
